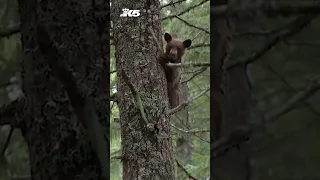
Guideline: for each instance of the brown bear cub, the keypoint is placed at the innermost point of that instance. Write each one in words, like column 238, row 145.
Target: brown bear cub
column 174, row 50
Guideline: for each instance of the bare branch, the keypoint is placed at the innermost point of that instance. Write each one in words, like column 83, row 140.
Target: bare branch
column 186, row 10
column 199, row 45
column 10, row 31
column 241, row 135
column 173, row 65
column 191, row 25
column 191, row 130
column 195, row 74
column 294, row 28
column 271, row 10
column 6, row 144
column 312, row 88
column 117, row 157
column 285, row 10
column 185, row 170
column 263, row 34
column 307, row 44
column 226, row 143
column 186, row 103
column 282, row 79
column 171, row 3
column 178, row 108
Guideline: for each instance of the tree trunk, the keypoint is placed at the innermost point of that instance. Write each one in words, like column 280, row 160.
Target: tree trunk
column 58, row 143
column 146, row 140
column 231, row 103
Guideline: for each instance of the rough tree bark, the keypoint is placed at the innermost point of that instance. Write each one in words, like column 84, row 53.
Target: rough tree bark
column 145, row 127
column 58, row 143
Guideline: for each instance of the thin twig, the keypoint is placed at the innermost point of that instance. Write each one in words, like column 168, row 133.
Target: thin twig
column 185, row 170
column 312, row 88
column 6, row 144
column 188, row 64
column 270, row 10
column 10, row 31
column 186, row 10
column 186, row 103
column 191, row 25
column 295, row 27
column 241, row 135
column 172, row 3
column 195, row 74
column 199, row 46
column 191, row 130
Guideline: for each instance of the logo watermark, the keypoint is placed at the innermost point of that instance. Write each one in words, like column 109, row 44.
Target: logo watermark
column 130, row 13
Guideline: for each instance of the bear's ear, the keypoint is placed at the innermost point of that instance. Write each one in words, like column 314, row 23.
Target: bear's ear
column 167, row 37
column 187, row 43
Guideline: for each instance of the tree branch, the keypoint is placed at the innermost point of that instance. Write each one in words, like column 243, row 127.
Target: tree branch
column 186, row 10
column 270, row 10
column 6, row 144
column 171, row 3
column 173, row 65
column 195, row 74
column 185, row 170
column 282, row 79
column 312, row 88
column 191, row 25
column 294, row 28
column 186, row 103
column 10, row 31
column 191, row 130
column 199, row 45
column 286, row 10
column 226, row 143
column 241, row 135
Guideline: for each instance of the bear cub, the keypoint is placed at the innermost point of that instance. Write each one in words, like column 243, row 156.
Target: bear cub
column 174, row 51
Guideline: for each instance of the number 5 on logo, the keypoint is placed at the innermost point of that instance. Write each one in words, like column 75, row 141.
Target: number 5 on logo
column 135, row 13
column 130, row 13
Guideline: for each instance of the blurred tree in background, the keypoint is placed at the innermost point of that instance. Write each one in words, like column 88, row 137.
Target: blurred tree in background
column 53, row 111
column 270, row 82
